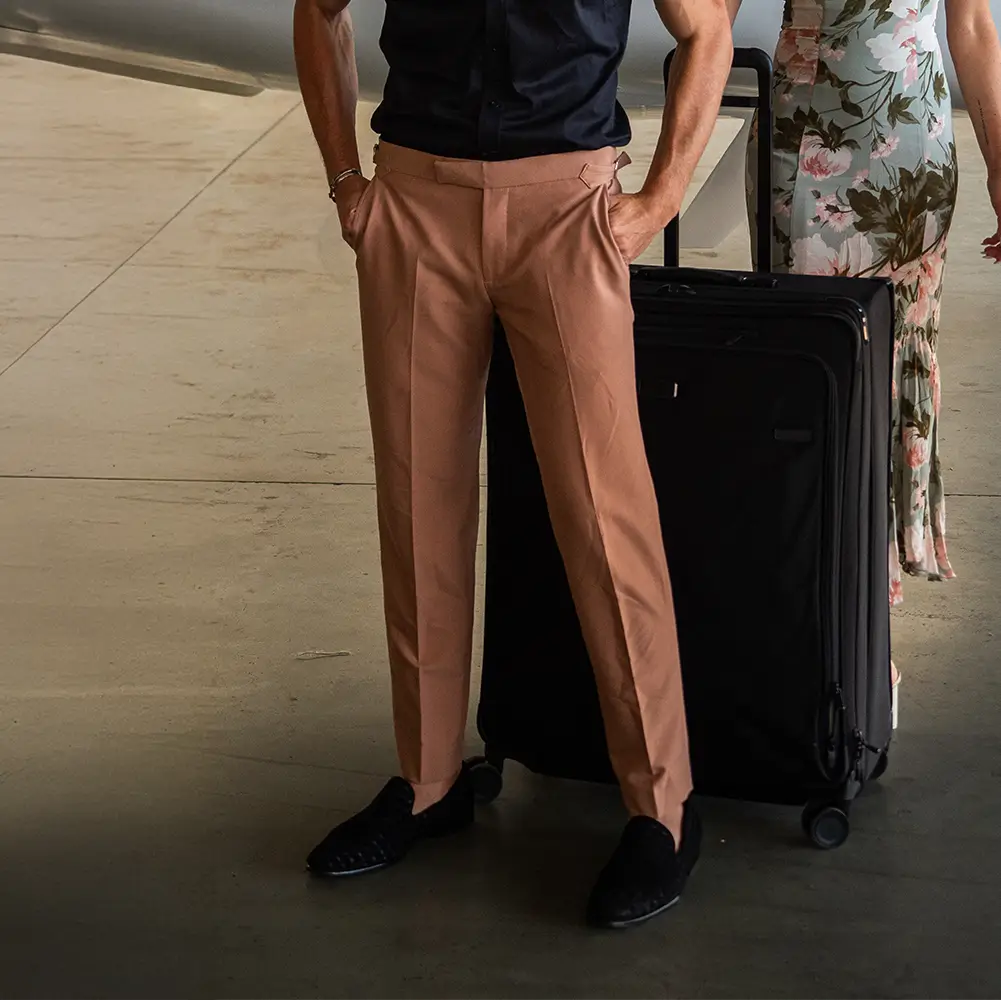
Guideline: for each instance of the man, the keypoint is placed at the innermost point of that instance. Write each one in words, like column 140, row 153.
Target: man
column 495, row 192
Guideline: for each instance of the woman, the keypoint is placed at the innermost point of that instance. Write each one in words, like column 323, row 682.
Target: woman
column 865, row 182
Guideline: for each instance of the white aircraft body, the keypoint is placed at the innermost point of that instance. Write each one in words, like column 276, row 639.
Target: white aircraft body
column 244, row 46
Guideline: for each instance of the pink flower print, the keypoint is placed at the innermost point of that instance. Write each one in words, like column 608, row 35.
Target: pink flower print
column 915, row 449
column 936, row 126
column 797, row 54
column 839, row 217
column 897, row 51
column 832, row 54
column 854, row 256
column 893, row 388
column 914, row 543
column 941, row 556
column 811, row 255
column 907, row 274
column 919, row 312
column 936, row 387
column 820, row 162
column 933, row 268
column 860, row 178
column 885, row 147
column 942, row 559
column 782, row 207
column 896, row 591
column 931, row 229
column 936, row 311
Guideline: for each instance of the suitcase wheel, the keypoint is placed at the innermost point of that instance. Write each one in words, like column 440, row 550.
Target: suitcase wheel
column 488, row 778
column 826, row 825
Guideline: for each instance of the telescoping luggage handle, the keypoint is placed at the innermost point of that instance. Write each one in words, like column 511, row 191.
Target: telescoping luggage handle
column 761, row 63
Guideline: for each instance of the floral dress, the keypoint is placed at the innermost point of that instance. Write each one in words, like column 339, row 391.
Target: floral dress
column 865, row 184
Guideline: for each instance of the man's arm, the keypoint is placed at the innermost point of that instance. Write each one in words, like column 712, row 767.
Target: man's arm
column 328, row 78
column 699, row 71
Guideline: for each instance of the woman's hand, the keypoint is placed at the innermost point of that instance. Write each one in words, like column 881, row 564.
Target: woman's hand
column 992, row 245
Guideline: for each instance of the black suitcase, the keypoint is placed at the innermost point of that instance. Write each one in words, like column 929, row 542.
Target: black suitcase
column 765, row 403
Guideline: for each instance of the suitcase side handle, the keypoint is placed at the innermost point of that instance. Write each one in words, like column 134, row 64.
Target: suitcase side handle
column 761, row 63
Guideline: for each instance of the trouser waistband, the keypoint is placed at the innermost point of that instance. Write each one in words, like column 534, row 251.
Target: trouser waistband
column 593, row 167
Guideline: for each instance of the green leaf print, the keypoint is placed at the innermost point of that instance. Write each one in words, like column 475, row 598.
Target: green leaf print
column 826, row 75
column 915, row 367
column 940, row 88
column 808, row 119
column 939, row 193
column 918, row 419
column 897, row 111
column 884, row 248
column 788, row 135
column 912, row 189
column 849, row 107
column 875, row 214
column 834, row 137
column 850, row 10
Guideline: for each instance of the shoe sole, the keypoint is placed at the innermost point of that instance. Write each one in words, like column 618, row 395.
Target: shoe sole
column 355, row 872
column 622, row 925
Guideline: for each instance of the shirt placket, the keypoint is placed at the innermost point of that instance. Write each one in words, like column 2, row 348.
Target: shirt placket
column 494, row 41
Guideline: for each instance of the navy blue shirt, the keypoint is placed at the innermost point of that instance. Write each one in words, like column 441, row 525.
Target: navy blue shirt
column 503, row 79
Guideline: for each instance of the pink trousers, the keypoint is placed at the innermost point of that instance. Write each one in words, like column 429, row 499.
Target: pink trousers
column 442, row 245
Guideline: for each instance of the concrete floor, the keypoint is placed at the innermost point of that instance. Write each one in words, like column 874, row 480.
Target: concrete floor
column 187, row 506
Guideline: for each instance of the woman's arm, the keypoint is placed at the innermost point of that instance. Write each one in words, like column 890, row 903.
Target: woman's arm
column 976, row 53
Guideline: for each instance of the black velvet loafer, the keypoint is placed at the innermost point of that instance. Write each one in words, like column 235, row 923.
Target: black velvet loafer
column 383, row 833
column 645, row 875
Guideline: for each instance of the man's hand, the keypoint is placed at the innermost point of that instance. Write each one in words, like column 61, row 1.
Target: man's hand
column 636, row 219
column 349, row 195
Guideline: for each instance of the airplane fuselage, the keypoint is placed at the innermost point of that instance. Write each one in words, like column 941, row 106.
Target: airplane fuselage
column 250, row 41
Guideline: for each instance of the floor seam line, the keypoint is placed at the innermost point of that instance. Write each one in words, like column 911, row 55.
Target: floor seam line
column 8, row 477
column 115, row 270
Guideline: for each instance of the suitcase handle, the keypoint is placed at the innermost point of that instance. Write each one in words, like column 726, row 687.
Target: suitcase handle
column 761, row 63
column 720, row 279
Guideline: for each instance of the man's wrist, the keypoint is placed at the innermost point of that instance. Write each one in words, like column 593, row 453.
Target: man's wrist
column 663, row 199
column 339, row 178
